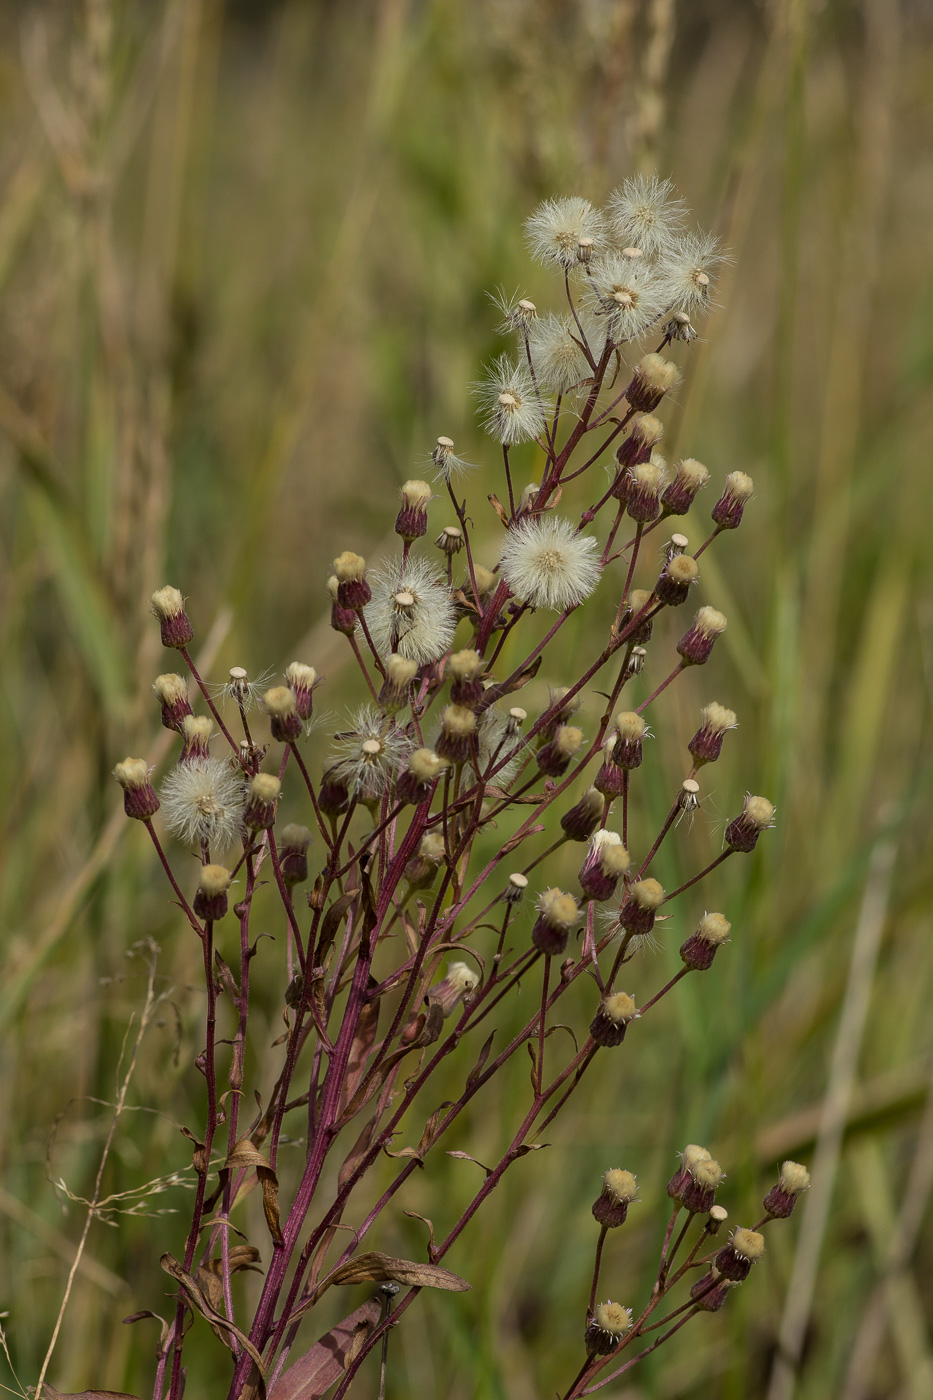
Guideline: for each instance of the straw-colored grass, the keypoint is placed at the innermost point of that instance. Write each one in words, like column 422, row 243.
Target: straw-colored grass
column 243, row 258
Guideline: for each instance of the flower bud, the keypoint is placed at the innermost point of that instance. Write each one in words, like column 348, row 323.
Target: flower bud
column 303, row 681
column 423, row 866
column 645, row 434
column 700, row 948
column 756, row 816
column 710, row 1292
column 606, row 862
column 606, row 1328
column 210, row 901
column 706, row 744
column 734, row 1261
column 263, row 795
column 562, row 712
column 415, row 785
column 619, row 1191
column 691, row 1156
column 727, row 512
column 139, row 796
column 610, row 1023
column 643, row 492
column 558, row 916
column 293, row 854
column 195, row 734
column 169, row 607
column 690, row 477
column 333, row 795
column 353, row 591
column 697, row 643
column 554, row 758
column 782, row 1198
column 342, row 619
column 465, row 669
column 579, row 823
column 639, row 908
column 461, row 981
column 636, row 603
column 458, row 730
column 677, row 577
column 652, row 378
column 171, row 691
column 412, row 520
column 700, row 1192
column 282, row 709
column 396, row 688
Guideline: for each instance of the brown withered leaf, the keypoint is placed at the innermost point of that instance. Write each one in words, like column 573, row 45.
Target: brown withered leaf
column 481, row 1059
column 433, row 1025
column 360, row 1050
column 331, row 923
column 199, row 1303
column 245, row 1155
column 494, row 501
column 199, row 1158
column 330, row 1357
column 517, row 840
column 374, row 1267
column 465, row 1157
column 413, row 1215
column 358, row 1151
column 50, row 1393
column 227, row 979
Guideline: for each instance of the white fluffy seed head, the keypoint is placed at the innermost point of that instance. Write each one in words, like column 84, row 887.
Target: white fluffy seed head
column 645, row 212
column 369, row 754
column 203, row 802
column 510, row 407
column 549, row 565
column 557, row 227
column 411, row 612
column 627, row 294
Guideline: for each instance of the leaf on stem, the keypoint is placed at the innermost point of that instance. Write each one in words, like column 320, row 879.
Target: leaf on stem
column 481, row 1059
column 358, row 1151
column 245, row 1156
column 197, row 1301
column 363, row 1040
column 428, row 1138
column 374, row 1267
column 330, row 1357
column 331, row 922
column 465, row 1157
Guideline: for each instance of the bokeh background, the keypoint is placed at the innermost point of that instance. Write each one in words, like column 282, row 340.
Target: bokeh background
column 244, row 256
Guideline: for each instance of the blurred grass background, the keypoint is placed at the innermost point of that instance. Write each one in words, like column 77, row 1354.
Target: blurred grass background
column 244, row 252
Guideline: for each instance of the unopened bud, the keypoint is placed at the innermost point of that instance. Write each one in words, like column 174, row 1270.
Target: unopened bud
column 734, row 1261
column 645, row 434
column 169, row 607
column 583, row 818
column 293, row 854
column 643, row 492
column 611, row 1205
column 700, row 1192
column 396, row 688
column 691, row 1156
column 416, row 784
column 353, row 591
column 782, row 1198
column 140, row 800
column 700, row 948
column 697, row 643
column 171, row 691
column 639, row 909
column 342, row 619
column 554, row 758
column 606, row 1328
column 639, row 601
column 727, row 512
column 677, row 577
column 412, row 520
column 606, row 862
column 458, row 730
column 756, row 816
column 195, row 735
column 260, row 807
column 423, row 867
column 611, row 1021
column 334, row 793
column 653, row 377
column 710, row 1292
column 690, row 477
column 210, row 901
column 465, row 669
column 706, row 744
column 558, row 916
column 303, row 681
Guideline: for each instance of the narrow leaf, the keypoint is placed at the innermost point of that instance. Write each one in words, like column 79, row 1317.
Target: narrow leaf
column 315, row 1372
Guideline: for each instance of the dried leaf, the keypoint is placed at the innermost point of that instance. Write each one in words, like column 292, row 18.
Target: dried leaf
column 483, row 1056
column 200, row 1159
column 517, row 840
column 227, row 979
column 315, row 1372
column 465, row 1157
column 413, row 1215
column 50, row 1393
column 246, row 1155
column 433, row 1025
column 331, row 923
column 200, row 1304
column 360, row 1050
column 373, row 1267
column 497, row 507
column 358, row 1151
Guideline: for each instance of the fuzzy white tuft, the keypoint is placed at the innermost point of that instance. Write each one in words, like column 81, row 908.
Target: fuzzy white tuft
column 204, row 802
column 411, row 612
column 549, row 565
